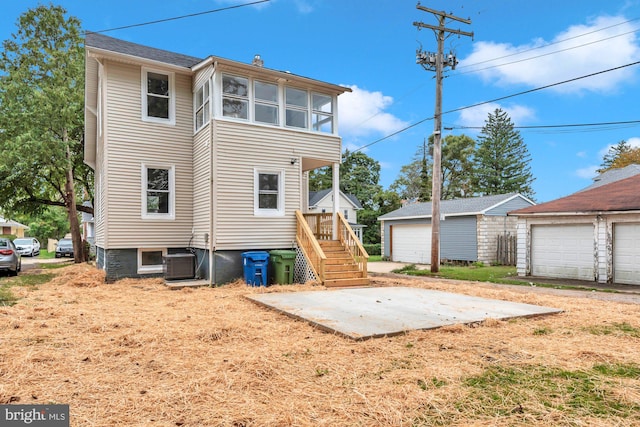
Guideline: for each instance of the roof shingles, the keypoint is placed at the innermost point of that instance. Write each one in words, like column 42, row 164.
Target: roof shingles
column 111, row 44
column 622, row 195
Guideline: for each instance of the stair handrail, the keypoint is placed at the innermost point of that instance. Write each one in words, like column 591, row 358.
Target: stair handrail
column 310, row 246
column 350, row 241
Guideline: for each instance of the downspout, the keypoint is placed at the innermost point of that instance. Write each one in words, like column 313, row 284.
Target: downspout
column 212, row 258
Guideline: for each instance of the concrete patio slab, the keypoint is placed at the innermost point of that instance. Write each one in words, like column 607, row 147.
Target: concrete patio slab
column 364, row 313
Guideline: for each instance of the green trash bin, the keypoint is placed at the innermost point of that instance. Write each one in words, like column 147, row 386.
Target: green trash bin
column 282, row 264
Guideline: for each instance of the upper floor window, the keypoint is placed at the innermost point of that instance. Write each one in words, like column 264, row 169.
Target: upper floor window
column 202, row 105
column 276, row 104
column 322, row 113
column 158, row 192
column 158, row 96
column 266, row 102
column 297, row 106
column 235, row 97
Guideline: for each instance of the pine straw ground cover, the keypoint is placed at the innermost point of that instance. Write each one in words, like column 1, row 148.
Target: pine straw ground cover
column 134, row 353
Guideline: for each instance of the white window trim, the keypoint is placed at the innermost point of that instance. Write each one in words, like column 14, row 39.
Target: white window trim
column 248, row 98
column 255, row 102
column 172, row 193
column 150, row 269
column 218, row 100
column 206, row 106
column 256, row 183
column 172, row 97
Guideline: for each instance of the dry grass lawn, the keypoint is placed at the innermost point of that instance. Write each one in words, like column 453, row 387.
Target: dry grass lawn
column 134, row 353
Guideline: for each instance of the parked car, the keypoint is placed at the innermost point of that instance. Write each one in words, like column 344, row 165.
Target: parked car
column 64, row 248
column 27, row 246
column 10, row 259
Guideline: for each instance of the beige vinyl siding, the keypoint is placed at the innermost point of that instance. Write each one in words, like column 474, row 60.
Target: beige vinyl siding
column 201, row 186
column 241, row 148
column 132, row 143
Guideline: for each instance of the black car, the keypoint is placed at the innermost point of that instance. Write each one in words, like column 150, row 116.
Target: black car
column 64, row 248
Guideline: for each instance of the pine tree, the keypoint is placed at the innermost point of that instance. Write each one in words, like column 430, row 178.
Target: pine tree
column 613, row 154
column 501, row 163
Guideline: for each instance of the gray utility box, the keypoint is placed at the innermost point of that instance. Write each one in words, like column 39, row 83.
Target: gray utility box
column 179, row 266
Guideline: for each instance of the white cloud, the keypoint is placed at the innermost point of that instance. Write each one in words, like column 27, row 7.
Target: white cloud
column 581, row 154
column 588, row 172
column 604, row 42
column 477, row 116
column 362, row 113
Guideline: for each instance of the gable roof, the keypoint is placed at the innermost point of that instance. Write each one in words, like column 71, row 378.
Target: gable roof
column 10, row 223
column 111, row 44
column 613, row 175
column 455, row 207
column 316, row 196
column 621, row 195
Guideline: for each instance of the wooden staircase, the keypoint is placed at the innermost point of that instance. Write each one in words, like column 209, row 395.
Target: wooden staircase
column 341, row 270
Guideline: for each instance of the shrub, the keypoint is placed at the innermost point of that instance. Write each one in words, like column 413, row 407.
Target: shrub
column 373, row 248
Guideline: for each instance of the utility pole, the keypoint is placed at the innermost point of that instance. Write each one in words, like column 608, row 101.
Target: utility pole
column 436, row 62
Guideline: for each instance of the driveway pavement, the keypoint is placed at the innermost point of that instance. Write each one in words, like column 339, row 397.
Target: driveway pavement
column 598, row 291
column 33, row 262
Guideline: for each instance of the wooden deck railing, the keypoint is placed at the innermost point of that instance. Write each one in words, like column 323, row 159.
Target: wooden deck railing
column 309, row 244
column 321, row 224
column 350, row 241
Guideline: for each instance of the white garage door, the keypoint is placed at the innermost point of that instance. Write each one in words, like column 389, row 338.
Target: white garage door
column 411, row 243
column 626, row 254
column 562, row 251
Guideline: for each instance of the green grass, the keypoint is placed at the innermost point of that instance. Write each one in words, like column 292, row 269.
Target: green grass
column 44, row 254
column 535, row 391
column 495, row 274
column 375, row 258
column 615, row 329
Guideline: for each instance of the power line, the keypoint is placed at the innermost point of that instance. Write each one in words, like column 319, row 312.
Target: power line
column 571, row 125
column 509, row 63
column 551, row 44
column 540, row 56
column 495, row 100
column 181, row 17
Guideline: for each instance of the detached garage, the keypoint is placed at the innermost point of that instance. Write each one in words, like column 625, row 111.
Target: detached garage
column 562, row 251
column 592, row 235
column 469, row 229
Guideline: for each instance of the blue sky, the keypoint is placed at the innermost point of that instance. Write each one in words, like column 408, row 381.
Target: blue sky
column 370, row 45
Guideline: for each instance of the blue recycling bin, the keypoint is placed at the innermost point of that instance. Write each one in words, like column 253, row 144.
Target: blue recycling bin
column 255, row 265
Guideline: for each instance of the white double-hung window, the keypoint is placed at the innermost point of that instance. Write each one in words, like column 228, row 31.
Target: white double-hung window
column 235, row 97
column 268, row 192
column 158, row 96
column 265, row 102
column 202, row 103
column 297, row 106
column 158, row 195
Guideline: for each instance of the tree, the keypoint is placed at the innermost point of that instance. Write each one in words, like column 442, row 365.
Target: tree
column 627, row 158
column 501, row 162
column 42, row 118
column 613, row 154
column 414, row 180
column 457, row 165
column 360, row 176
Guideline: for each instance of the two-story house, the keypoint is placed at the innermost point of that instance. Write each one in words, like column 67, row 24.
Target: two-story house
column 210, row 157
